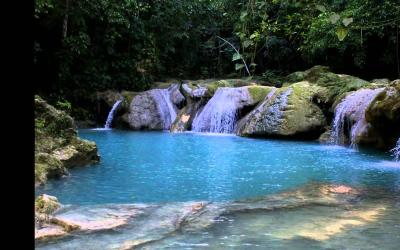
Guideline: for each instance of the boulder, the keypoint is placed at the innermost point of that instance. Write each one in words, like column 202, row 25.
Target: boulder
column 185, row 117
column 143, row 113
column 152, row 110
column 176, row 96
column 383, row 114
column 57, row 146
column 288, row 111
column 46, row 204
column 45, row 207
column 335, row 85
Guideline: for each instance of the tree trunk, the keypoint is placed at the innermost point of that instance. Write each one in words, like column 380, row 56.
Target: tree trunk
column 65, row 23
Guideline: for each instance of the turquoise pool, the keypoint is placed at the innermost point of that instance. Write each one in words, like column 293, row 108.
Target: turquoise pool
column 153, row 167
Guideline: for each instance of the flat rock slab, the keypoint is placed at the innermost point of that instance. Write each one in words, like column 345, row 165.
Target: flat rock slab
column 49, row 231
column 87, row 219
column 96, row 218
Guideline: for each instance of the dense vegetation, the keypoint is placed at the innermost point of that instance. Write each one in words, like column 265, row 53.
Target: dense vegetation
column 86, row 46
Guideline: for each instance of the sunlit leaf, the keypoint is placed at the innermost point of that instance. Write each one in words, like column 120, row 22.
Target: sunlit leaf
column 243, row 16
column 347, row 21
column 238, row 66
column 320, row 8
column 254, row 35
column 334, row 18
column 247, row 43
column 236, row 56
column 341, row 33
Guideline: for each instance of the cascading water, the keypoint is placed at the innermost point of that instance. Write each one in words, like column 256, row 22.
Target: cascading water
column 110, row 116
column 164, row 106
column 350, row 116
column 396, row 151
column 220, row 113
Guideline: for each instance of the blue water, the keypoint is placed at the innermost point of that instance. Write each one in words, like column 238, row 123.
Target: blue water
column 157, row 167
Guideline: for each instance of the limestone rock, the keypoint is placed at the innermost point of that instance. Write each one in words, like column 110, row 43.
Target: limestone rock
column 176, row 96
column 57, row 146
column 334, row 85
column 289, row 111
column 384, row 114
column 151, row 110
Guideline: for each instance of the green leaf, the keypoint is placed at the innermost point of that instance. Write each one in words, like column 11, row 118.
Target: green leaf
column 255, row 35
column 320, row 8
column 253, row 64
column 334, row 18
column 238, row 66
column 236, row 56
column 341, row 33
column 247, row 43
column 347, row 21
column 243, row 16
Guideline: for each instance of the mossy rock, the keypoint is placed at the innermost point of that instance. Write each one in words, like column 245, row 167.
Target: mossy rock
column 290, row 111
column 53, row 121
column 213, row 84
column 55, row 132
column 48, row 166
column 46, row 204
column 335, row 84
column 383, row 113
column 258, row 93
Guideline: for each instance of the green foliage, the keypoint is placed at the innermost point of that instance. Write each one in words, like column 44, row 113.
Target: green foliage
column 64, row 105
column 272, row 76
column 39, row 123
column 127, row 45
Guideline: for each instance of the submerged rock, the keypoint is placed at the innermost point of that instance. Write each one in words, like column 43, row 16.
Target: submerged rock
column 50, row 231
column 288, row 111
column 57, row 146
column 84, row 219
column 316, row 211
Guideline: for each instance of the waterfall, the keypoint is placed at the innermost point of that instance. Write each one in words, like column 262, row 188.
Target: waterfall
column 164, row 106
column 110, row 116
column 220, row 113
column 396, row 151
column 350, row 116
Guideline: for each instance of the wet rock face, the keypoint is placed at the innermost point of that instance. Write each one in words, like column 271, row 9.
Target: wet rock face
column 152, row 110
column 221, row 112
column 289, row 111
column 186, row 115
column 176, row 96
column 57, row 146
column 143, row 113
column 384, row 114
column 349, row 124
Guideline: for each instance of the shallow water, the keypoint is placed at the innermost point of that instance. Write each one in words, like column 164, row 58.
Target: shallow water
column 258, row 194
column 164, row 167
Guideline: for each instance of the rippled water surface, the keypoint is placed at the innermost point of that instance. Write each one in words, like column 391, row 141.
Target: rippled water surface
column 163, row 167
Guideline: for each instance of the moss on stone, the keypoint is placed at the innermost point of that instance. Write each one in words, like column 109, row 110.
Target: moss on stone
column 55, row 132
column 335, row 84
column 258, row 93
column 46, row 204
